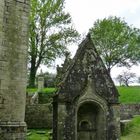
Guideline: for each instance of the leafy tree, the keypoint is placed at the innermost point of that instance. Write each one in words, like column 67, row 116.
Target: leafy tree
column 119, row 78
column 138, row 80
column 126, row 78
column 49, row 79
column 116, row 42
column 50, row 32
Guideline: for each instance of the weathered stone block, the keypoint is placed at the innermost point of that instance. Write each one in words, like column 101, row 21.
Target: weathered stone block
column 12, row 131
column 125, row 125
column 129, row 110
column 39, row 116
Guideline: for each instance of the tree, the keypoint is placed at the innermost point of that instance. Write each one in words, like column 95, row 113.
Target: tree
column 126, row 78
column 49, row 79
column 116, row 42
column 119, row 78
column 138, row 80
column 50, row 32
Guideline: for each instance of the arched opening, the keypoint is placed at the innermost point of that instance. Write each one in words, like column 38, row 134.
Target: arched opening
column 90, row 122
column 84, row 125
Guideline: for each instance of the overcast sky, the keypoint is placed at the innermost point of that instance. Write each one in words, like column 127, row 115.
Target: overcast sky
column 85, row 12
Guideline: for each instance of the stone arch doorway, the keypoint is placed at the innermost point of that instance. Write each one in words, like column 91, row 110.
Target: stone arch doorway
column 91, row 122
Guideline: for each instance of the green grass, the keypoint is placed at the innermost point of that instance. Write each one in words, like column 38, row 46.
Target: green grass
column 130, row 94
column 45, row 90
column 49, row 90
column 33, row 135
column 133, row 133
column 134, row 130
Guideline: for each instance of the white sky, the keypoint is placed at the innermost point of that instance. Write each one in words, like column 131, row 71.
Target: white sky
column 85, row 12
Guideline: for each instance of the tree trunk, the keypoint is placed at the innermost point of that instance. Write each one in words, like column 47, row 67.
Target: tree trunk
column 109, row 70
column 32, row 77
column 127, row 84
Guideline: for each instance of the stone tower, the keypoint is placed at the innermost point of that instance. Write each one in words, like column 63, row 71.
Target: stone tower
column 13, row 61
column 86, row 107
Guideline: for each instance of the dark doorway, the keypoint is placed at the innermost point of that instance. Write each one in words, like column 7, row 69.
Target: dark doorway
column 87, row 122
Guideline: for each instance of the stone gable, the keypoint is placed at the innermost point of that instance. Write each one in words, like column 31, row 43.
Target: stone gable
column 86, row 106
column 87, row 64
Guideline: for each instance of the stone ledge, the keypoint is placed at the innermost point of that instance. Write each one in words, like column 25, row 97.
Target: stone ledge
column 13, row 130
column 12, row 124
column 124, row 124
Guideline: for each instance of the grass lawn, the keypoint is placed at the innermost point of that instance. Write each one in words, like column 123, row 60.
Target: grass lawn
column 130, row 94
column 133, row 132
column 45, row 90
column 38, row 134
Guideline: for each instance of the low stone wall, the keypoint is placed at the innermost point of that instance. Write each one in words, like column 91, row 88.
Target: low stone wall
column 127, row 111
column 39, row 116
column 44, row 98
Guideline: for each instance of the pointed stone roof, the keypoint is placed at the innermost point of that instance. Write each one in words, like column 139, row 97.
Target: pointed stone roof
column 87, row 64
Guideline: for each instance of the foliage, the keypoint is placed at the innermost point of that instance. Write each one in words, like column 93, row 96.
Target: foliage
column 126, row 78
column 133, row 131
column 50, row 32
column 129, row 95
column 138, row 80
column 49, row 79
column 116, row 42
column 62, row 70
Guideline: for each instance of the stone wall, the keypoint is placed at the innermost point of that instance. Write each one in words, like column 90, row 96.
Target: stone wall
column 39, row 116
column 129, row 110
column 44, row 98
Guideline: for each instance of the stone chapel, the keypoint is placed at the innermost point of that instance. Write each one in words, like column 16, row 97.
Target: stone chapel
column 86, row 107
